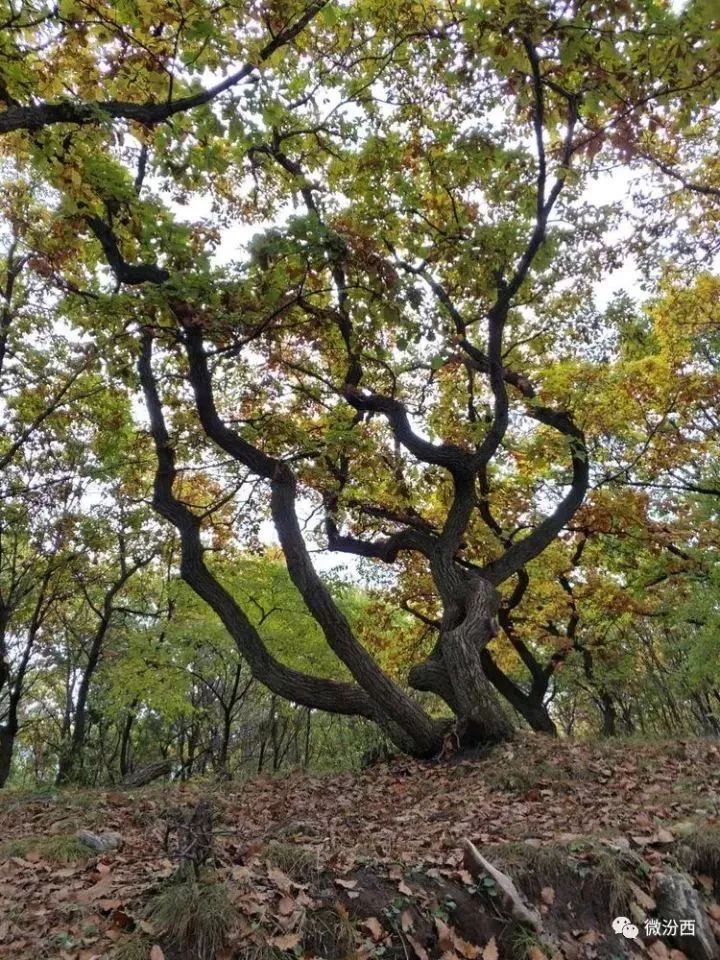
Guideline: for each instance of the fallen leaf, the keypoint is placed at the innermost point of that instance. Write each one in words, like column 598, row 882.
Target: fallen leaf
column 445, row 937
column 281, row 880
column 404, row 889
column 547, row 895
column 491, row 951
column 285, row 941
column 466, row 949
column 286, row 906
column 643, row 898
column 156, row 953
column 346, row 884
column 375, row 927
column 420, row 951
column 95, row 892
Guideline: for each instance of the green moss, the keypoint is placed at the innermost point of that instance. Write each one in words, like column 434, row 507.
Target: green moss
column 60, row 849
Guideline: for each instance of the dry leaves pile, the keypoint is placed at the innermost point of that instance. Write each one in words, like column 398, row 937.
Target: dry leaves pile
column 401, row 822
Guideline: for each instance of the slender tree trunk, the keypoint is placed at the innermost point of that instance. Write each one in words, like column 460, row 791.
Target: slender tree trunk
column 8, row 733
column 608, row 713
column 126, row 745
column 530, row 705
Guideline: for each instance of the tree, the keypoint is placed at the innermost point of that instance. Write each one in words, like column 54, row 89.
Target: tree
column 406, row 355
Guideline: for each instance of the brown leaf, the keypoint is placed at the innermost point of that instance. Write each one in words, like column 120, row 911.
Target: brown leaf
column 547, row 895
column 641, row 897
column 156, row 953
column 346, row 884
column 404, row 889
column 406, row 921
column 420, row 951
column 95, row 892
column 664, row 836
column 108, row 905
column 285, row 941
column 376, row 929
column 468, row 950
column 491, row 951
column 286, row 906
column 535, row 953
column 445, row 937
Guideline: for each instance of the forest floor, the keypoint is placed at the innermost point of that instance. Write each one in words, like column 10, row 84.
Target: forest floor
column 370, row 864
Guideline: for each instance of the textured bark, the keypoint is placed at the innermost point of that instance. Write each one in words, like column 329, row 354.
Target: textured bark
column 529, row 705
column 403, row 721
column 481, row 717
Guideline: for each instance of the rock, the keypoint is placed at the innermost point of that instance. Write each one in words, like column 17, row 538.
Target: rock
column 102, row 842
column 677, row 900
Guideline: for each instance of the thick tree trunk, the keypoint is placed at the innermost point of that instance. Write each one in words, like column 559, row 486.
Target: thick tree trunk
column 455, row 671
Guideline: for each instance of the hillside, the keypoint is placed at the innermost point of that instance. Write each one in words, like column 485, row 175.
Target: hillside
column 371, row 864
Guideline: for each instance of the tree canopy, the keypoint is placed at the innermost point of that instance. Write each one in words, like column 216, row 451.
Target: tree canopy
column 391, row 330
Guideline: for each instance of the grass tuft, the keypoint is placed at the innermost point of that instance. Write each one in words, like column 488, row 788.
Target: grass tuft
column 607, row 871
column 133, row 948
column 329, row 933
column 297, row 862
column 701, row 851
column 195, row 915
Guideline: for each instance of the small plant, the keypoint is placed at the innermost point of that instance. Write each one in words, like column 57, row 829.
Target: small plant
column 15, row 848
column 298, row 863
column 65, row 849
column 700, row 851
column 194, row 915
column 522, row 943
column 328, row 933
column 133, row 948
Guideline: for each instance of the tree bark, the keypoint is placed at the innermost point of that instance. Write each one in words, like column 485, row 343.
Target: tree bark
column 8, row 733
column 456, row 672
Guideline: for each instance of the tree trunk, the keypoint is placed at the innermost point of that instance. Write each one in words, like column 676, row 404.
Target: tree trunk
column 8, row 733
column 530, row 705
column 481, row 718
column 609, row 714
column 126, row 745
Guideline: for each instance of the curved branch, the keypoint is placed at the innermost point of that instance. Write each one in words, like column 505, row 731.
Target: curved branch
column 150, row 114
column 391, row 700
column 315, row 692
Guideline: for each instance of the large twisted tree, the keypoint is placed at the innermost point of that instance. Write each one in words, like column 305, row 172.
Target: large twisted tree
column 384, row 367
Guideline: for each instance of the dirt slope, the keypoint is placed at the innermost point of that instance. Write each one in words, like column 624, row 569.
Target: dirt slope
column 370, row 864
